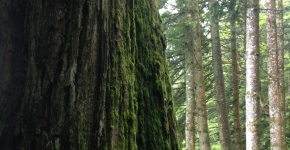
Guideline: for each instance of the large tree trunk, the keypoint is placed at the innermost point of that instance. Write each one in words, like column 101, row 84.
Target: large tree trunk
column 221, row 101
column 252, row 75
column 273, row 87
column 84, row 74
column 235, row 76
column 280, row 47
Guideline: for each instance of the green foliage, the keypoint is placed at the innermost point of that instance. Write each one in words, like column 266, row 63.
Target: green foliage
column 174, row 24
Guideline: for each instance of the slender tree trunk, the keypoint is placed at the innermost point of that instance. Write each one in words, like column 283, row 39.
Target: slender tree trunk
column 252, row 75
column 190, row 87
column 273, row 88
column 280, row 47
column 204, row 141
column 236, row 92
column 84, row 75
column 190, row 103
column 221, row 103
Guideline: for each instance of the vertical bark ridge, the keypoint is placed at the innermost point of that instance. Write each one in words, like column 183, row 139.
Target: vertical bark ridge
column 13, row 59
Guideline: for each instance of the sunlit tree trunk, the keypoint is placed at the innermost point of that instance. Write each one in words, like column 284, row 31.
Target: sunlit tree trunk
column 221, row 101
column 252, row 75
column 189, row 81
column 204, row 142
column 273, row 87
column 84, row 75
column 280, row 48
column 235, row 76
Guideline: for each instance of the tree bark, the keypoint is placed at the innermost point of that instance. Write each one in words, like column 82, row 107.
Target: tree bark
column 204, row 141
column 189, row 83
column 280, row 47
column 273, row 87
column 252, row 75
column 235, row 76
column 84, row 74
column 221, row 102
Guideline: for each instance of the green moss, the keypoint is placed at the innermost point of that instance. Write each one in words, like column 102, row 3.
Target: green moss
column 57, row 144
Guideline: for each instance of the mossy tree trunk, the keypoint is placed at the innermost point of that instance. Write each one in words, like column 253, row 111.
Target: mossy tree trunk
column 84, row 74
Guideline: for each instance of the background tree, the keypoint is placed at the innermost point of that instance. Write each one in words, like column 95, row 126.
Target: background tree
column 274, row 96
column 175, row 21
column 204, row 141
column 280, row 48
column 235, row 78
column 221, row 101
column 189, row 80
column 252, row 75
column 84, row 75
column 190, row 87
